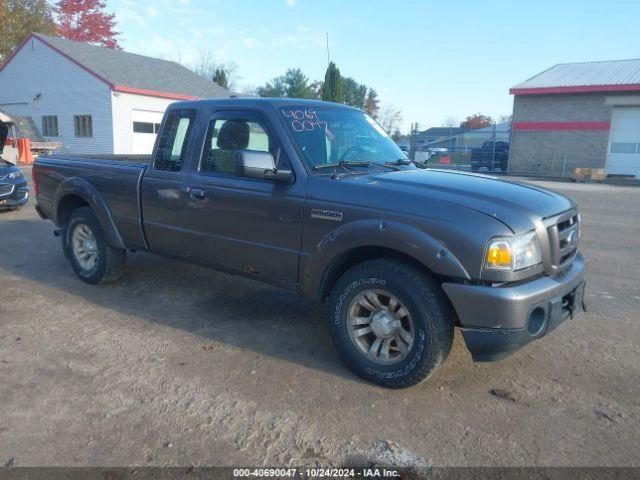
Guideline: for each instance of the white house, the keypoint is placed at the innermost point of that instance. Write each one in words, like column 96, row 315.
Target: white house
column 93, row 99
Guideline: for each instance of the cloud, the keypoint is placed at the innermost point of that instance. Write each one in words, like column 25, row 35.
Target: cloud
column 125, row 15
column 152, row 11
column 291, row 3
column 251, row 42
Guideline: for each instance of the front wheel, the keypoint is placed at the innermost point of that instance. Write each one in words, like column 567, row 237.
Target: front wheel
column 390, row 322
column 86, row 247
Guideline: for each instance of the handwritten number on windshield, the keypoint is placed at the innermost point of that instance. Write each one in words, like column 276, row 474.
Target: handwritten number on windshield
column 306, row 120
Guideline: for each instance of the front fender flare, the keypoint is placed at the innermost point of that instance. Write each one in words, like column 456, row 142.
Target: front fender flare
column 82, row 188
column 400, row 237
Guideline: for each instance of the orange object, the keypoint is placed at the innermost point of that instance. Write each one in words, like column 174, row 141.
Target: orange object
column 445, row 160
column 24, row 151
column 499, row 255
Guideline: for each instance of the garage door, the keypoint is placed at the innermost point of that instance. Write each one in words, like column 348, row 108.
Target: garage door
column 145, row 125
column 624, row 142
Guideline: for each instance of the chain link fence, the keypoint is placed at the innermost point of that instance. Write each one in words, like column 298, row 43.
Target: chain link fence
column 482, row 150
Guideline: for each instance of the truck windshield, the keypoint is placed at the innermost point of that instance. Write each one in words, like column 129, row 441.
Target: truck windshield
column 329, row 136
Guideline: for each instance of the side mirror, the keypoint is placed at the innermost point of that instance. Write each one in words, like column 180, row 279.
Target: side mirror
column 259, row 165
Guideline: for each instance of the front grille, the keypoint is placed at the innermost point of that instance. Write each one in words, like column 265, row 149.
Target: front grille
column 6, row 189
column 564, row 235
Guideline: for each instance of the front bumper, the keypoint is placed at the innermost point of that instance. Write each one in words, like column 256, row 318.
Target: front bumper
column 497, row 321
column 13, row 195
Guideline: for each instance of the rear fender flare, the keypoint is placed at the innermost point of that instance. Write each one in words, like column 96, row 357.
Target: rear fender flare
column 400, row 237
column 83, row 189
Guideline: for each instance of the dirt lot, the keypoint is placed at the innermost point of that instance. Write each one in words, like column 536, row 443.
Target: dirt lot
column 178, row 365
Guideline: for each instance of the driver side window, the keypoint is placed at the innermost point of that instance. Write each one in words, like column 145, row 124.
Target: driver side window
column 225, row 136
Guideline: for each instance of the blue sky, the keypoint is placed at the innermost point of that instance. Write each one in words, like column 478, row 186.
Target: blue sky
column 431, row 60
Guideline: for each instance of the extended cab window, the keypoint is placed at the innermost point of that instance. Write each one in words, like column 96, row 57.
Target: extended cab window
column 226, row 136
column 173, row 141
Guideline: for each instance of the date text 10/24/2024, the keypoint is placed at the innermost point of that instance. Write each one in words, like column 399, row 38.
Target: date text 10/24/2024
column 315, row 472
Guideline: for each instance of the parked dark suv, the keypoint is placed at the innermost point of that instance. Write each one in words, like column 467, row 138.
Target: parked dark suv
column 14, row 191
column 490, row 158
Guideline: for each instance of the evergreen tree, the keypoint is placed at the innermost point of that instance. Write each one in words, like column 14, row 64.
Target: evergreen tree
column 220, row 77
column 293, row 84
column 333, row 87
column 354, row 93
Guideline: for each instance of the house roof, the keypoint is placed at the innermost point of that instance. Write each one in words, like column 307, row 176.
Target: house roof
column 132, row 73
column 442, row 131
column 608, row 76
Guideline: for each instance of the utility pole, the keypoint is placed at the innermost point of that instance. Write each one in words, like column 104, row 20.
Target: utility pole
column 413, row 141
column 493, row 155
column 328, row 56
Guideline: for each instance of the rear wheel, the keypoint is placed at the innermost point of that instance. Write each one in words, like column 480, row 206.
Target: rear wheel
column 86, row 247
column 391, row 323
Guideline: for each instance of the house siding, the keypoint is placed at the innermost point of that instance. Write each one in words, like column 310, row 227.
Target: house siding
column 65, row 90
column 122, row 105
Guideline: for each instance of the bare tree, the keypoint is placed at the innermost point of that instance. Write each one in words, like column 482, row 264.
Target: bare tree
column 248, row 90
column 450, row 122
column 390, row 118
column 208, row 67
column 504, row 118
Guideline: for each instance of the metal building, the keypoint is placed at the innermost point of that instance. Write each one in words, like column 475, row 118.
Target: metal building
column 578, row 115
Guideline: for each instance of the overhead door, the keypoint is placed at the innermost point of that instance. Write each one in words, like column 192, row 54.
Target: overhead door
column 145, row 126
column 624, row 142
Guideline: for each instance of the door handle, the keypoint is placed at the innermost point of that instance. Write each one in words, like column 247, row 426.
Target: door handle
column 197, row 193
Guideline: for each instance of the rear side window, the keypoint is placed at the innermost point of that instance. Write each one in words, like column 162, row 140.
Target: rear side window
column 173, row 141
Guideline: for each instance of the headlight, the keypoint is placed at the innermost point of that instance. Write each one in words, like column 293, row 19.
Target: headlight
column 513, row 253
column 14, row 175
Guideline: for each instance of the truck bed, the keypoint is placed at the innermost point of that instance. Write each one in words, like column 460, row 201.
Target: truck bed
column 112, row 179
column 141, row 159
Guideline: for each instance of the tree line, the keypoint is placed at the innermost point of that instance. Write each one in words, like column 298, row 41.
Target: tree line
column 88, row 21
column 81, row 20
column 335, row 88
column 295, row 84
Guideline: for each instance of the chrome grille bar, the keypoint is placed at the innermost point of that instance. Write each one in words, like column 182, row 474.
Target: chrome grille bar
column 563, row 232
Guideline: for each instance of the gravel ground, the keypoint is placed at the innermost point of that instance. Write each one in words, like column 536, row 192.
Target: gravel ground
column 178, row 365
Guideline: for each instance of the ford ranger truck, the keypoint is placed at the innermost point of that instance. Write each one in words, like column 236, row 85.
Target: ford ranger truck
column 316, row 198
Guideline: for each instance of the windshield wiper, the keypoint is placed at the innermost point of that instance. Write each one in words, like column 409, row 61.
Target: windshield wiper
column 406, row 161
column 342, row 163
column 346, row 164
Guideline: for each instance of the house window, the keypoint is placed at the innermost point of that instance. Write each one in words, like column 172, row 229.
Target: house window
column 146, row 127
column 623, row 147
column 83, row 125
column 50, row 126
column 143, row 127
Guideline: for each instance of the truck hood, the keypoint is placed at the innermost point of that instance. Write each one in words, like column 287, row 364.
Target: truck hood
column 518, row 206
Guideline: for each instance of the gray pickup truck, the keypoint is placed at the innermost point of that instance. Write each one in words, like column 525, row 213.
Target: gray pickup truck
column 316, row 198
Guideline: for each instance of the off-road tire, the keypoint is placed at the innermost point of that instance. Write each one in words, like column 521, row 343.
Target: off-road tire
column 110, row 261
column 428, row 306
